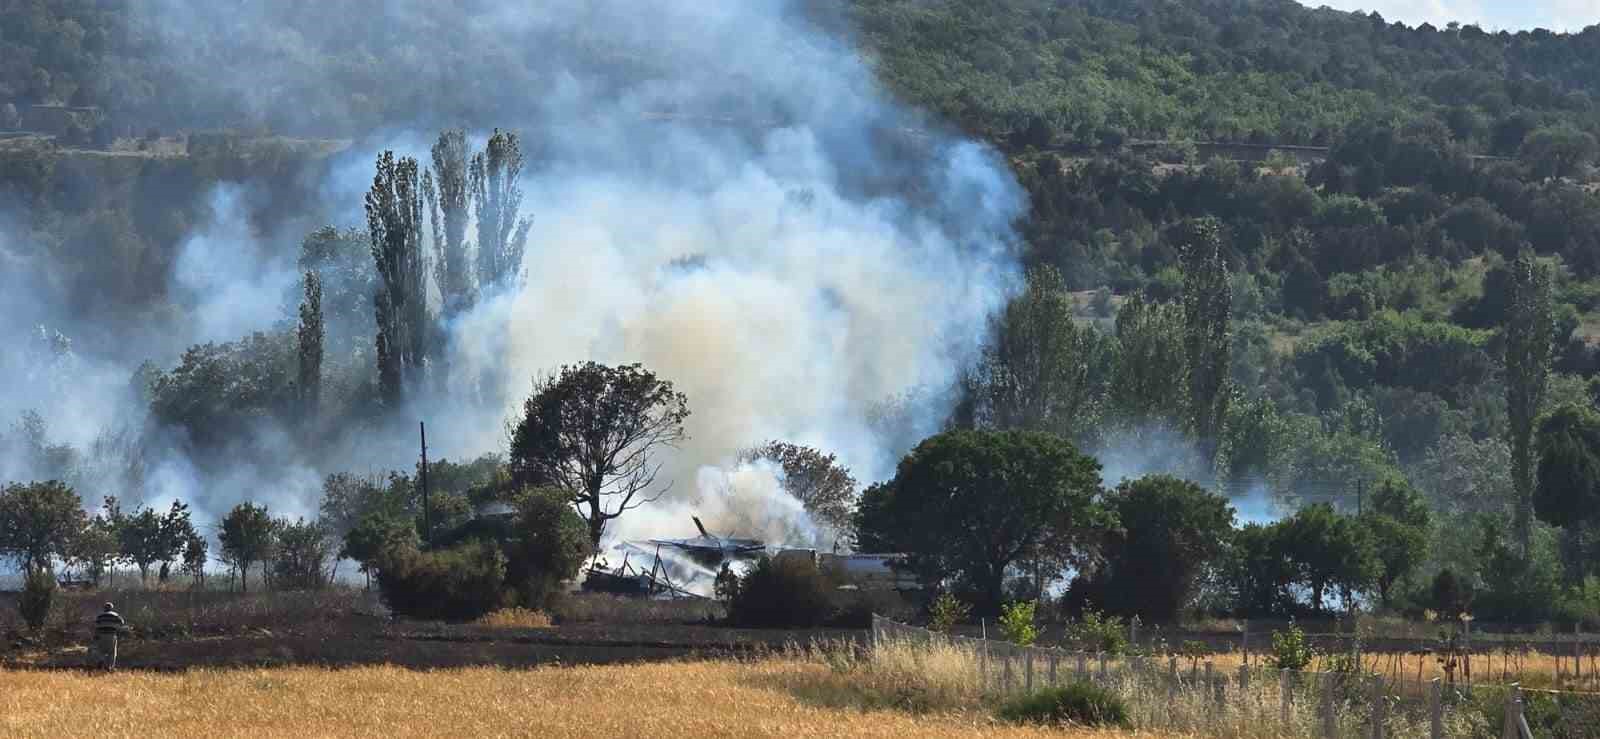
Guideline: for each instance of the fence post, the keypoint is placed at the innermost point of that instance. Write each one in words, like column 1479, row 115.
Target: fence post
column 1436, row 710
column 1005, row 670
column 1172, row 689
column 1055, row 658
column 1509, row 727
column 1103, row 673
column 1284, row 696
column 983, row 665
column 1244, row 683
column 1330, row 722
column 1379, row 703
column 1027, row 669
column 1081, row 670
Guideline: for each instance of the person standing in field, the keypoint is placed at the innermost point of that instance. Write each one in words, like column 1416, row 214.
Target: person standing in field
column 107, row 627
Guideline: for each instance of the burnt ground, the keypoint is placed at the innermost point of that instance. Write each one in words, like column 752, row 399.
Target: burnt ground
column 173, row 631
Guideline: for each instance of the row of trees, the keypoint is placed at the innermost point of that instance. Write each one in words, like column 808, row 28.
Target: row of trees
column 44, row 526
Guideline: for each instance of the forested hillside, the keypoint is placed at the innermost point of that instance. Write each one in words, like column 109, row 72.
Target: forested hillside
column 1400, row 310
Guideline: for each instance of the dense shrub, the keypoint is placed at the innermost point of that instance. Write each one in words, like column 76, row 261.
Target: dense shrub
column 1082, row 703
column 782, row 593
column 456, row 584
column 38, row 592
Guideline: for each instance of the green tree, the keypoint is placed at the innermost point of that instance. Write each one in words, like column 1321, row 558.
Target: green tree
column 593, row 430
column 248, row 536
column 96, row 548
column 1397, row 522
column 1559, row 151
column 1207, row 303
column 302, row 556
column 1042, row 371
column 495, row 179
column 195, row 556
column 1568, row 492
column 817, row 480
column 445, row 189
column 1148, row 384
column 1171, row 531
column 311, row 335
column 1328, row 549
column 147, row 538
column 1529, row 338
column 377, row 533
column 549, row 547
column 969, row 504
column 394, row 221
column 39, row 522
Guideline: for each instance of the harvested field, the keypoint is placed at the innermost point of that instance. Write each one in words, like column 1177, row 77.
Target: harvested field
column 701, row 699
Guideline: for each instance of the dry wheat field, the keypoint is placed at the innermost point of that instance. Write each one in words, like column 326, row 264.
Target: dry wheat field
column 700, row 699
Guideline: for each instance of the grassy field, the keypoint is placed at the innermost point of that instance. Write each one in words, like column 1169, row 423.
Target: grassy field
column 701, row 699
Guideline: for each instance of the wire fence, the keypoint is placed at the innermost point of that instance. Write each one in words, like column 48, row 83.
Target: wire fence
column 1169, row 692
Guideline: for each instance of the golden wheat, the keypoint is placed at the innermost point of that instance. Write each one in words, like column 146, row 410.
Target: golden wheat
column 715, row 699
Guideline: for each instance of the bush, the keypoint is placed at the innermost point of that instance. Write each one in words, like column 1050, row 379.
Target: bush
column 514, row 618
column 1097, row 632
column 1016, row 621
column 550, row 545
column 38, row 592
column 457, row 584
column 1085, row 704
column 787, row 593
column 1290, row 650
column 947, row 611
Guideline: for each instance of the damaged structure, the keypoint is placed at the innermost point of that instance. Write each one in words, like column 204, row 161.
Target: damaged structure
column 688, row 568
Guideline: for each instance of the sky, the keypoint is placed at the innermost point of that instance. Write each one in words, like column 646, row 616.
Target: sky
column 1491, row 15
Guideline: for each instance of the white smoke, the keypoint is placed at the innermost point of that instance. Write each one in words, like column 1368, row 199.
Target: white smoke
column 797, row 251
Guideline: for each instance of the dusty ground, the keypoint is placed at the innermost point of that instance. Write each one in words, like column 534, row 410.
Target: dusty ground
column 698, row 699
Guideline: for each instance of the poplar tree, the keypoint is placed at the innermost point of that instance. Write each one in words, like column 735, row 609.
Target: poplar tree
column 1529, row 338
column 394, row 220
column 1207, row 303
column 311, row 335
column 497, row 201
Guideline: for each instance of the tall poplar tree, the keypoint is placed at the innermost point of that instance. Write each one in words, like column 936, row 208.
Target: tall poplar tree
column 311, row 334
column 1529, row 338
column 394, row 220
column 1207, row 303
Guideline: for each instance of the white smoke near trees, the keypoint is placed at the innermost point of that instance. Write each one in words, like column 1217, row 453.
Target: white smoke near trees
column 720, row 191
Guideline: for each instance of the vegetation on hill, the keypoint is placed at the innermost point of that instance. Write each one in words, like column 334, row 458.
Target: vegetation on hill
column 1396, row 341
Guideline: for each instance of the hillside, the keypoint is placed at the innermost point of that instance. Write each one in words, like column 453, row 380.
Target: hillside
column 1377, row 195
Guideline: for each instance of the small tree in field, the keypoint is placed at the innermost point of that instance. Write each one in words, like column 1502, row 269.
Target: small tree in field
column 247, row 537
column 592, row 430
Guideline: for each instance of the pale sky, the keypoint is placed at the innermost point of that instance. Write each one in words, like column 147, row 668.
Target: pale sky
column 1492, row 15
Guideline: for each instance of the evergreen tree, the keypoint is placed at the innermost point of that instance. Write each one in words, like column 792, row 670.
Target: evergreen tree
column 497, row 199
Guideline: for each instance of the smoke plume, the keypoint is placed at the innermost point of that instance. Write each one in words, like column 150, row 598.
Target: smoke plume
column 720, row 190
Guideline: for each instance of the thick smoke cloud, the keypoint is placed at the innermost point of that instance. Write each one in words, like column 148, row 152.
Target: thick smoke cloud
column 720, row 190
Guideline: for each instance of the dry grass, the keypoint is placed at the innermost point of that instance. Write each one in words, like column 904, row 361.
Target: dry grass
column 710, row 699
column 515, row 618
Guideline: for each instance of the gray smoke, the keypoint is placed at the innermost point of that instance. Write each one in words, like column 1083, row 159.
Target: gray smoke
column 720, row 190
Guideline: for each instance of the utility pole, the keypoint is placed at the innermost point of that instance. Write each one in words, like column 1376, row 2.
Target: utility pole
column 427, row 512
